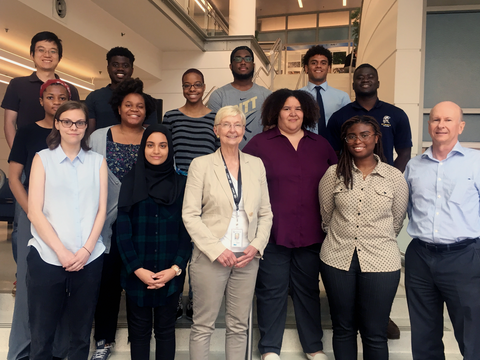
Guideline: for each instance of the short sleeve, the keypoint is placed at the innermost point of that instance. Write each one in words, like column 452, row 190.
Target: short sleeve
column 402, row 132
column 215, row 101
column 11, row 100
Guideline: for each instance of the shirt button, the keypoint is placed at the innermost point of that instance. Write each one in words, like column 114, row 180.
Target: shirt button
column 358, row 213
column 156, row 233
column 360, row 200
column 437, row 213
column 355, row 238
column 439, row 196
column 436, row 230
column 357, row 226
column 439, row 179
column 441, row 163
column 362, row 189
column 156, row 215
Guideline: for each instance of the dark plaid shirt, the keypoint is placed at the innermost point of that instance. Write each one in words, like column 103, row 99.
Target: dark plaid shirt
column 152, row 237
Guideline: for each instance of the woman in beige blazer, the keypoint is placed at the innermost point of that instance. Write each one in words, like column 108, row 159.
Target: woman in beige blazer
column 227, row 213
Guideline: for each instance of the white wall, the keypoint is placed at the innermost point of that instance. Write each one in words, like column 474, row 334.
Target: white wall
column 391, row 40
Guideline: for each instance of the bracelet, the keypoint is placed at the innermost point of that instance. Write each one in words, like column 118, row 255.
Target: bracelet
column 87, row 250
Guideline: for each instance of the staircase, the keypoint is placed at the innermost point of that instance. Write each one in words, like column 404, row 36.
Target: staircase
column 399, row 349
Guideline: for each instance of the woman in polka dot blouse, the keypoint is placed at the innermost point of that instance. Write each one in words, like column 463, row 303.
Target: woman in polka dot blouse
column 363, row 204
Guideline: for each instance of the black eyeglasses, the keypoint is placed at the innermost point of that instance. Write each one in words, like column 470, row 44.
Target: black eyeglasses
column 197, row 85
column 80, row 124
column 247, row 59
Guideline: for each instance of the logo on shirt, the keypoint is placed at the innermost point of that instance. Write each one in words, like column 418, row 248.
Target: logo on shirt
column 386, row 121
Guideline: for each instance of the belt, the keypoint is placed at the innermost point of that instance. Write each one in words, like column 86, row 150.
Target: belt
column 446, row 247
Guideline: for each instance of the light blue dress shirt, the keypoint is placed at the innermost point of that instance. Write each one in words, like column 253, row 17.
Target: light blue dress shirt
column 71, row 201
column 333, row 99
column 444, row 200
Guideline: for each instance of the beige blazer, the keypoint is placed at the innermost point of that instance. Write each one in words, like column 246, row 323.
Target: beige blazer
column 208, row 203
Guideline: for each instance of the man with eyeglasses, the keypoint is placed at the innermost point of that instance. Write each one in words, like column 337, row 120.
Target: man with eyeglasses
column 242, row 92
column 120, row 67
column 317, row 63
column 394, row 123
column 21, row 103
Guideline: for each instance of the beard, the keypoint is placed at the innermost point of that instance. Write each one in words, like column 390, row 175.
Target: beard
column 243, row 76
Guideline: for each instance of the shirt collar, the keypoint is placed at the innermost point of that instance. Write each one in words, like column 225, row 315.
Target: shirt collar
column 34, row 77
column 60, row 154
column 457, row 149
column 356, row 105
column 379, row 168
column 311, row 86
column 275, row 132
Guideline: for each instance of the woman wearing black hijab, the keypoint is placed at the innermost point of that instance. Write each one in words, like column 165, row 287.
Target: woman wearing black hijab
column 153, row 244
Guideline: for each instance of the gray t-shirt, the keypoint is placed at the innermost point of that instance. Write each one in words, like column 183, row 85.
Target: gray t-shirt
column 250, row 102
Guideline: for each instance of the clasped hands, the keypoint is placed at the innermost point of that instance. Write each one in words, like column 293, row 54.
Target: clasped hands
column 228, row 259
column 155, row 280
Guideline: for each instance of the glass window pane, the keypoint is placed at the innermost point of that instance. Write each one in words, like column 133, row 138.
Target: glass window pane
column 333, row 34
column 302, row 21
column 272, row 24
column 301, row 36
column 272, row 36
column 336, row 18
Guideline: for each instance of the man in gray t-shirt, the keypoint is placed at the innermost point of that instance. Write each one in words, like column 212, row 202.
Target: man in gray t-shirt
column 242, row 92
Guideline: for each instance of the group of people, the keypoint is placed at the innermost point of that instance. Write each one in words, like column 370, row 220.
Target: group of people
column 259, row 192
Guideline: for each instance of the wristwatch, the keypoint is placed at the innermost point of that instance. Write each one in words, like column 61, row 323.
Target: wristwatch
column 177, row 270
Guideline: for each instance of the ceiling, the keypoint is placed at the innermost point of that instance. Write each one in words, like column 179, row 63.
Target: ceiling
column 283, row 7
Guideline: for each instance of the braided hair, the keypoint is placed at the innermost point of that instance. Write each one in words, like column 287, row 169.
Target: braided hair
column 345, row 162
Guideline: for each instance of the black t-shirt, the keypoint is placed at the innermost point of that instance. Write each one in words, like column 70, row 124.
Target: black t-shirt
column 29, row 140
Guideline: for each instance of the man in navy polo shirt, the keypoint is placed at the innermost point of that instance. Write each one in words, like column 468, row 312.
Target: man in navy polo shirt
column 394, row 124
column 120, row 67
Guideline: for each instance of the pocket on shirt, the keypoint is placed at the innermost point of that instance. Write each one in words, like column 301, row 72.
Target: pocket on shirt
column 464, row 188
column 385, row 194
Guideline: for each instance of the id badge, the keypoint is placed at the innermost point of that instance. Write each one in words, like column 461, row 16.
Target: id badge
column 237, row 238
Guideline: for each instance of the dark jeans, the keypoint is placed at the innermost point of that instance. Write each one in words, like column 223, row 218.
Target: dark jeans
column 433, row 279
column 108, row 305
column 140, row 329
column 359, row 301
column 53, row 292
column 298, row 269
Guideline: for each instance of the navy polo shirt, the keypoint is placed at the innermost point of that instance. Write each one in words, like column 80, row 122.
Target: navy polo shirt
column 393, row 123
column 99, row 108
column 22, row 96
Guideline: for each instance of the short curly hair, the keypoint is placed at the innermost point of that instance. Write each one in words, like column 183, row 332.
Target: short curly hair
column 131, row 86
column 120, row 51
column 318, row 50
column 274, row 102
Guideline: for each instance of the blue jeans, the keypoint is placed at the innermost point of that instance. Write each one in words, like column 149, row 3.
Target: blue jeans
column 359, row 301
column 53, row 293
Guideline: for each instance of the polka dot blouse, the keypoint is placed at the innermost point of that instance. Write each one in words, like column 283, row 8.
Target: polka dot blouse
column 367, row 218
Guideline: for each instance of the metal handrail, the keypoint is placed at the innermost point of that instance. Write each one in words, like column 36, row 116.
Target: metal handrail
column 275, row 55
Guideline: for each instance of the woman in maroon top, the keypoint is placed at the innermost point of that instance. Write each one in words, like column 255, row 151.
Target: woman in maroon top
column 295, row 160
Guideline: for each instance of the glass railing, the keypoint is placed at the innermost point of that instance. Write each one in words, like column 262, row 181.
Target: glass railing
column 206, row 15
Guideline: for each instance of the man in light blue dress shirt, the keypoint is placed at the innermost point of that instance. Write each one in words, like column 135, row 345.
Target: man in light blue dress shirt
column 442, row 263
column 317, row 63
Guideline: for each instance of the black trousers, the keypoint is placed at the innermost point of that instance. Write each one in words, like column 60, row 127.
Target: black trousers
column 140, row 321
column 53, row 293
column 359, row 301
column 298, row 269
column 108, row 305
column 433, row 279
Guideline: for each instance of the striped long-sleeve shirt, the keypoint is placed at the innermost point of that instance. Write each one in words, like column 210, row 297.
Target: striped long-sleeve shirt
column 192, row 137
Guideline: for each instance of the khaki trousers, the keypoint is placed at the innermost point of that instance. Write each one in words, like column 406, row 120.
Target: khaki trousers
column 210, row 281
